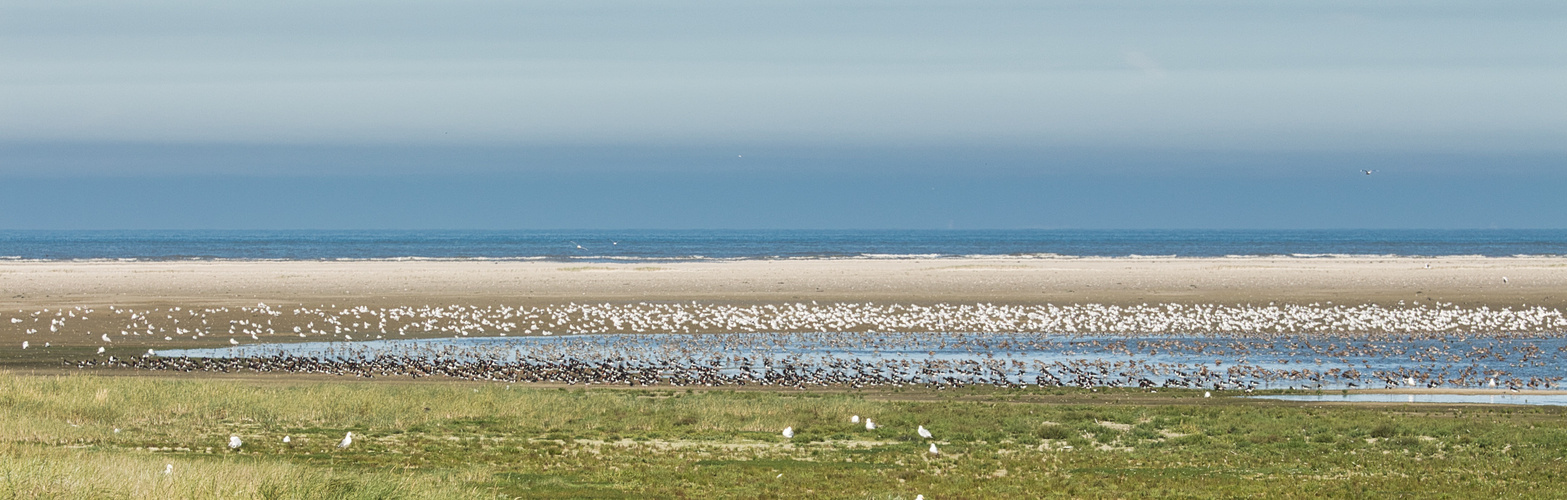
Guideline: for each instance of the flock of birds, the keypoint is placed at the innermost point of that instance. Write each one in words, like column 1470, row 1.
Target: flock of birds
column 1211, row 346
column 939, row 361
column 347, row 323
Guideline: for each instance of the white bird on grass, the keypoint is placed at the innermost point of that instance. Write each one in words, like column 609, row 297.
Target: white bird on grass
column 854, row 419
column 788, row 432
column 24, row 344
column 287, row 439
column 924, row 433
column 233, row 342
column 1207, row 394
column 106, row 336
column 348, row 439
column 933, row 449
column 168, row 469
column 869, row 425
column 235, row 443
column 100, row 350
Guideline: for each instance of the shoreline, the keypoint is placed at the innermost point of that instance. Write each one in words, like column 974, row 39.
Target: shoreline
column 1467, row 281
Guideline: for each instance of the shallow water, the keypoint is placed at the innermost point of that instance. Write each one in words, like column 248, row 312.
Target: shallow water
column 1497, row 399
column 1228, row 362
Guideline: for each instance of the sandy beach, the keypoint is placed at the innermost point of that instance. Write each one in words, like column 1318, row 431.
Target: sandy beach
column 1464, row 281
column 222, row 288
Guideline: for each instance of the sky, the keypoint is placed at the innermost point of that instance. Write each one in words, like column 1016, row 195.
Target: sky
column 623, row 114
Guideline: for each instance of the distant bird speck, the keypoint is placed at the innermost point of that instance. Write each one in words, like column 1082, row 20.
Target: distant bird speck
column 1367, row 172
column 788, row 432
column 235, row 443
column 168, row 469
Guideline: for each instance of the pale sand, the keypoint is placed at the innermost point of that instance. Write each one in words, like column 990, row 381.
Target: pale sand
column 31, row 286
column 1465, row 281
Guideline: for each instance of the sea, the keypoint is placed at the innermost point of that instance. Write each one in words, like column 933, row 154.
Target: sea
column 678, row 245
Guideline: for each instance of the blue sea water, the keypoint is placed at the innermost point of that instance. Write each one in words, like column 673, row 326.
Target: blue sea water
column 656, row 245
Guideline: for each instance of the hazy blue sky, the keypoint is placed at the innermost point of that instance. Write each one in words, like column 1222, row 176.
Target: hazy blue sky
column 505, row 114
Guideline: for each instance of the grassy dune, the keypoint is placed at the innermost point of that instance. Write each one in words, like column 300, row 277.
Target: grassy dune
column 460, row 440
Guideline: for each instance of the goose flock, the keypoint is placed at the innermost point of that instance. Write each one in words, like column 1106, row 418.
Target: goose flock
column 940, row 361
column 1212, row 346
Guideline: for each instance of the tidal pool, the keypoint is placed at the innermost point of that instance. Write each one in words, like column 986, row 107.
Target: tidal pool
column 942, row 360
column 1496, row 399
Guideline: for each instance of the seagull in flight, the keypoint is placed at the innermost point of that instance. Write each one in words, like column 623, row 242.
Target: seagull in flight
column 1367, row 172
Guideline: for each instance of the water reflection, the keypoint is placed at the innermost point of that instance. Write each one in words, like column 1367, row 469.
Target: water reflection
column 940, row 360
column 1504, row 399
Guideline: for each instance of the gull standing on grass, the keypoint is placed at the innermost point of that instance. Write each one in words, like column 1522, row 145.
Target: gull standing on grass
column 924, row 433
column 788, row 432
column 235, row 443
column 348, row 439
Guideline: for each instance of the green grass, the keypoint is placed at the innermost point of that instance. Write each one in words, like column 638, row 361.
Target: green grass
column 57, row 440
